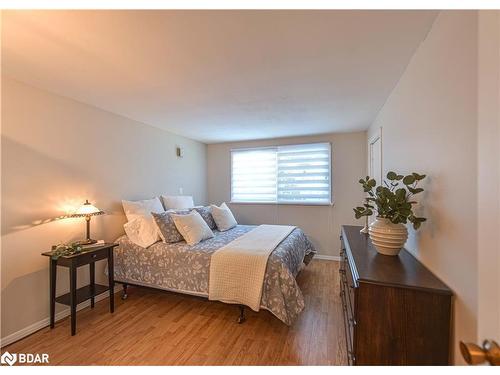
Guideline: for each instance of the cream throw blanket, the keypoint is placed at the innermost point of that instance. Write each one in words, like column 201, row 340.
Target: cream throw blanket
column 237, row 269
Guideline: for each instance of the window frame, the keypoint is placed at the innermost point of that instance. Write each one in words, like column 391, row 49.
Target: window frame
column 277, row 202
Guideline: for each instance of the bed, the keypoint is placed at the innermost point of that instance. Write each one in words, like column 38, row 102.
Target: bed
column 181, row 268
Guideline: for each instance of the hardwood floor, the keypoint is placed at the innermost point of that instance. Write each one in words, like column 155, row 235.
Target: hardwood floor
column 161, row 328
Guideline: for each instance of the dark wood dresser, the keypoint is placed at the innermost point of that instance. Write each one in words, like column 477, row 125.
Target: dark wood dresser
column 396, row 312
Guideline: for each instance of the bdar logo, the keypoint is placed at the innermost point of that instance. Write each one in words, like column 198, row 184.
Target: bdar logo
column 23, row 358
column 8, row 359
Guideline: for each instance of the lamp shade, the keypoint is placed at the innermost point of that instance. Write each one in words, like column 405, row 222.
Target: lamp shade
column 87, row 210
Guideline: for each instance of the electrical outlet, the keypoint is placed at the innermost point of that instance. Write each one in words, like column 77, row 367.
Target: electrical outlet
column 181, row 191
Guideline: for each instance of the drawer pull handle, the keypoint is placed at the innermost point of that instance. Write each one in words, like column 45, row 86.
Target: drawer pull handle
column 94, row 255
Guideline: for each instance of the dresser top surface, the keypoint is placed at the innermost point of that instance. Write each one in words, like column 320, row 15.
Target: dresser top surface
column 403, row 270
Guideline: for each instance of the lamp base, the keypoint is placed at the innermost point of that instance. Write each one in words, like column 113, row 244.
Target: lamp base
column 88, row 241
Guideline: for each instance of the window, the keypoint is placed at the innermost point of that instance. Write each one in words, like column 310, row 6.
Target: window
column 296, row 174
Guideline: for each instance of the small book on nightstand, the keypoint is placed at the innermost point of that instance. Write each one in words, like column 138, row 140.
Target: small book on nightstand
column 97, row 244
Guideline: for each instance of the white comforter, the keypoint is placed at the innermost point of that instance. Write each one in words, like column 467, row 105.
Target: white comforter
column 237, row 269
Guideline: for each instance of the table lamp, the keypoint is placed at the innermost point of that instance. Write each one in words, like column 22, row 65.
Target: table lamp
column 87, row 210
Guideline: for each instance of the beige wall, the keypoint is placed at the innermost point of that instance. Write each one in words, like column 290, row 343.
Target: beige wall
column 56, row 153
column 429, row 126
column 320, row 223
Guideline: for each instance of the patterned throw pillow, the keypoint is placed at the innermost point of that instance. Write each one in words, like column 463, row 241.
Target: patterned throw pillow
column 165, row 223
column 206, row 214
column 142, row 231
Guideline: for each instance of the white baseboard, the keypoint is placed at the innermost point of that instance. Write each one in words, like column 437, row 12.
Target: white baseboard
column 327, row 257
column 22, row 333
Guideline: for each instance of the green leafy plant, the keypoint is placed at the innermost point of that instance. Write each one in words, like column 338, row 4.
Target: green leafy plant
column 393, row 199
column 65, row 250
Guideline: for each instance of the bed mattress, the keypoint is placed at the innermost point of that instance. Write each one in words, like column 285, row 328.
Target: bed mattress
column 185, row 269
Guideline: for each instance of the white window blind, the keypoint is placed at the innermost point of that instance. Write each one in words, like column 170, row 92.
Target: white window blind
column 253, row 177
column 296, row 174
column 304, row 173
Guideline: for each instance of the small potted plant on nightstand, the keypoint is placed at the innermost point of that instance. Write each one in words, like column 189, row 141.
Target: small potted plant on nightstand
column 393, row 203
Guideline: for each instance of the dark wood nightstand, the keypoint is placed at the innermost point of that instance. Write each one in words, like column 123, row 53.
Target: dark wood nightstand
column 75, row 296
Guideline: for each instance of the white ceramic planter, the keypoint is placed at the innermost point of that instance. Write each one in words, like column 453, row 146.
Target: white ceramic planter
column 388, row 238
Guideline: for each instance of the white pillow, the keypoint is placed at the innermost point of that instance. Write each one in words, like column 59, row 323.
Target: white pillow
column 223, row 217
column 141, row 231
column 177, row 202
column 192, row 227
column 142, row 210
column 135, row 209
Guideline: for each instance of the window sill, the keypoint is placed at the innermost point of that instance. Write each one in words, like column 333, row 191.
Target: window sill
column 283, row 204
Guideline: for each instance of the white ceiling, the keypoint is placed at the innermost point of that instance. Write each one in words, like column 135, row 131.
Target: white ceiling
column 219, row 75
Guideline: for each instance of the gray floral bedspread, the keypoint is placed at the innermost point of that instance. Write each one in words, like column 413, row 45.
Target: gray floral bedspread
column 185, row 269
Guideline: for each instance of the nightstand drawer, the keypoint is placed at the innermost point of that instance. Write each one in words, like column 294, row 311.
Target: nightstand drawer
column 91, row 257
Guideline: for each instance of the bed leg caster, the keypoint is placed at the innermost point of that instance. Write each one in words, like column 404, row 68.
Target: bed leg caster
column 124, row 293
column 241, row 318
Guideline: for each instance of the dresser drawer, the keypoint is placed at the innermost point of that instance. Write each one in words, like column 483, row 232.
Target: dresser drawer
column 348, row 323
column 348, row 284
column 347, row 298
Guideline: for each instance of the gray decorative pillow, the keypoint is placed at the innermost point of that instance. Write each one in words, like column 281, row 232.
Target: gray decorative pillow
column 165, row 223
column 206, row 214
